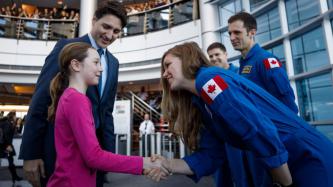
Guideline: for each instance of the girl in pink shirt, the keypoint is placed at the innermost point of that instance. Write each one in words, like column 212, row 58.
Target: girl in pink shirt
column 79, row 154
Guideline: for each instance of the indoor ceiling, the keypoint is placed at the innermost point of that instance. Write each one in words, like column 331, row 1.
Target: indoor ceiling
column 16, row 94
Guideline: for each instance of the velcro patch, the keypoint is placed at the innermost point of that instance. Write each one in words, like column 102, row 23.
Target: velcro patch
column 212, row 88
column 271, row 63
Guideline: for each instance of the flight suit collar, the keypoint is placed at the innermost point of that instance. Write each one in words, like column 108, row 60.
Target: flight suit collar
column 252, row 52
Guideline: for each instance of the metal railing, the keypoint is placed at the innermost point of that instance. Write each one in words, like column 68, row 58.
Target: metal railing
column 164, row 144
column 140, row 108
column 37, row 29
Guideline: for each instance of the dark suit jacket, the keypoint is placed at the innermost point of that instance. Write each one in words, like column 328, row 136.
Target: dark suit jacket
column 38, row 136
column 8, row 130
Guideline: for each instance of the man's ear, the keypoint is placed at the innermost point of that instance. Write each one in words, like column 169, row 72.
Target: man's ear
column 75, row 65
column 252, row 32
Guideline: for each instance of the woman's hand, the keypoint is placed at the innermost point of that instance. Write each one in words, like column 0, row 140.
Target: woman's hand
column 281, row 175
column 153, row 168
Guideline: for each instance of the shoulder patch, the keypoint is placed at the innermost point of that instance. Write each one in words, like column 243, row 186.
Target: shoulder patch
column 212, row 88
column 271, row 63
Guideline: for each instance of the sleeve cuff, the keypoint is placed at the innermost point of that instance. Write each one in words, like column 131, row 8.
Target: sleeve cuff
column 276, row 160
column 192, row 162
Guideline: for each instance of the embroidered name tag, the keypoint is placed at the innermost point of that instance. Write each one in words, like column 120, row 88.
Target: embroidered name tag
column 246, row 69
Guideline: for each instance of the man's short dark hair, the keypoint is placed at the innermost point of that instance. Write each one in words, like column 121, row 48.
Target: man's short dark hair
column 216, row 45
column 112, row 7
column 11, row 115
column 248, row 20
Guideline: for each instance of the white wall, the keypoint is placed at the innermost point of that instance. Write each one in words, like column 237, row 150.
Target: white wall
column 24, row 52
column 153, row 45
column 127, row 50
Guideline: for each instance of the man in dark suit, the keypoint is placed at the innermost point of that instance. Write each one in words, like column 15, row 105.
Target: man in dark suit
column 37, row 149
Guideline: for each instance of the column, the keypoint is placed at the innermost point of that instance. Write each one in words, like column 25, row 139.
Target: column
column 209, row 24
column 287, row 46
column 327, row 30
column 87, row 9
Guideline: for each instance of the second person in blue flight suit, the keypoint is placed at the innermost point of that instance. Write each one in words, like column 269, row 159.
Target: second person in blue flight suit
column 218, row 55
column 256, row 64
column 245, row 117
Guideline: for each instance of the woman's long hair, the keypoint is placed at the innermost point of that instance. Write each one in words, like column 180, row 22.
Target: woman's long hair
column 177, row 106
column 76, row 50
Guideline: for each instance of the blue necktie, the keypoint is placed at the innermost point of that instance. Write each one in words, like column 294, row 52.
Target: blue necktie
column 100, row 81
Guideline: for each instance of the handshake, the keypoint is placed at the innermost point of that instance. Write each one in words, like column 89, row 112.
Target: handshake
column 157, row 167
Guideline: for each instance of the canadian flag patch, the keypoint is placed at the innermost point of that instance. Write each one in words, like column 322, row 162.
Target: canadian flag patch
column 213, row 88
column 272, row 63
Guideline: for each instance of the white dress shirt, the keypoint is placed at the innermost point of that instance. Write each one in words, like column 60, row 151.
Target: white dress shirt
column 147, row 127
column 103, row 62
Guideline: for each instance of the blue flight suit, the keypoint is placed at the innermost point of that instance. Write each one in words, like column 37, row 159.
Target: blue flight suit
column 232, row 170
column 233, row 68
column 221, row 176
column 273, row 79
column 248, row 118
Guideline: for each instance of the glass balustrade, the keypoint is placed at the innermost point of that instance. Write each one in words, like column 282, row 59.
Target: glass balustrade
column 39, row 29
column 155, row 19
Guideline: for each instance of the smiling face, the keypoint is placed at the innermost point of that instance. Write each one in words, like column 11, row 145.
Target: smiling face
column 218, row 57
column 106, row 30
column 172, row 71
column 91, row 68
column 241, row 39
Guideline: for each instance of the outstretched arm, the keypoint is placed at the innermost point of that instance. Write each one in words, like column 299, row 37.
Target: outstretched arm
column 177, row 166
column 168, row 167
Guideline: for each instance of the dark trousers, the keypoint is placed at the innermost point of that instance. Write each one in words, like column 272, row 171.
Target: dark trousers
column 12, row 168
column 146, row 144
column 100, row 178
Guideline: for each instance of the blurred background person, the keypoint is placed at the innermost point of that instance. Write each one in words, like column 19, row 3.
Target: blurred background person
column 8, row 126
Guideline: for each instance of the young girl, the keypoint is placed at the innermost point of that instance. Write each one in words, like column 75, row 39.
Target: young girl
column 79, row 154
column 234, row 115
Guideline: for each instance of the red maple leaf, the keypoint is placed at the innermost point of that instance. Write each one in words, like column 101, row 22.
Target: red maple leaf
column 211, row 88
column 273, row 62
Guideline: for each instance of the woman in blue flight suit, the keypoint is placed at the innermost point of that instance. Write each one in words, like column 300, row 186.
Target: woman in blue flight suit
column 239, row 168
column 238, row 114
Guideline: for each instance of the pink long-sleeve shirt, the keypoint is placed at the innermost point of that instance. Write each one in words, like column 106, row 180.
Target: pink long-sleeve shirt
column 79, row 154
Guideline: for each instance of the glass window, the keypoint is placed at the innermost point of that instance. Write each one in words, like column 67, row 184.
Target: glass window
column 307, row 49
column 256, row 3
column 226, row 10
column 330, row 3
column 326, row 130
column 268, row 27
column 301, row 11
column 227, row 43
column 315, row 97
